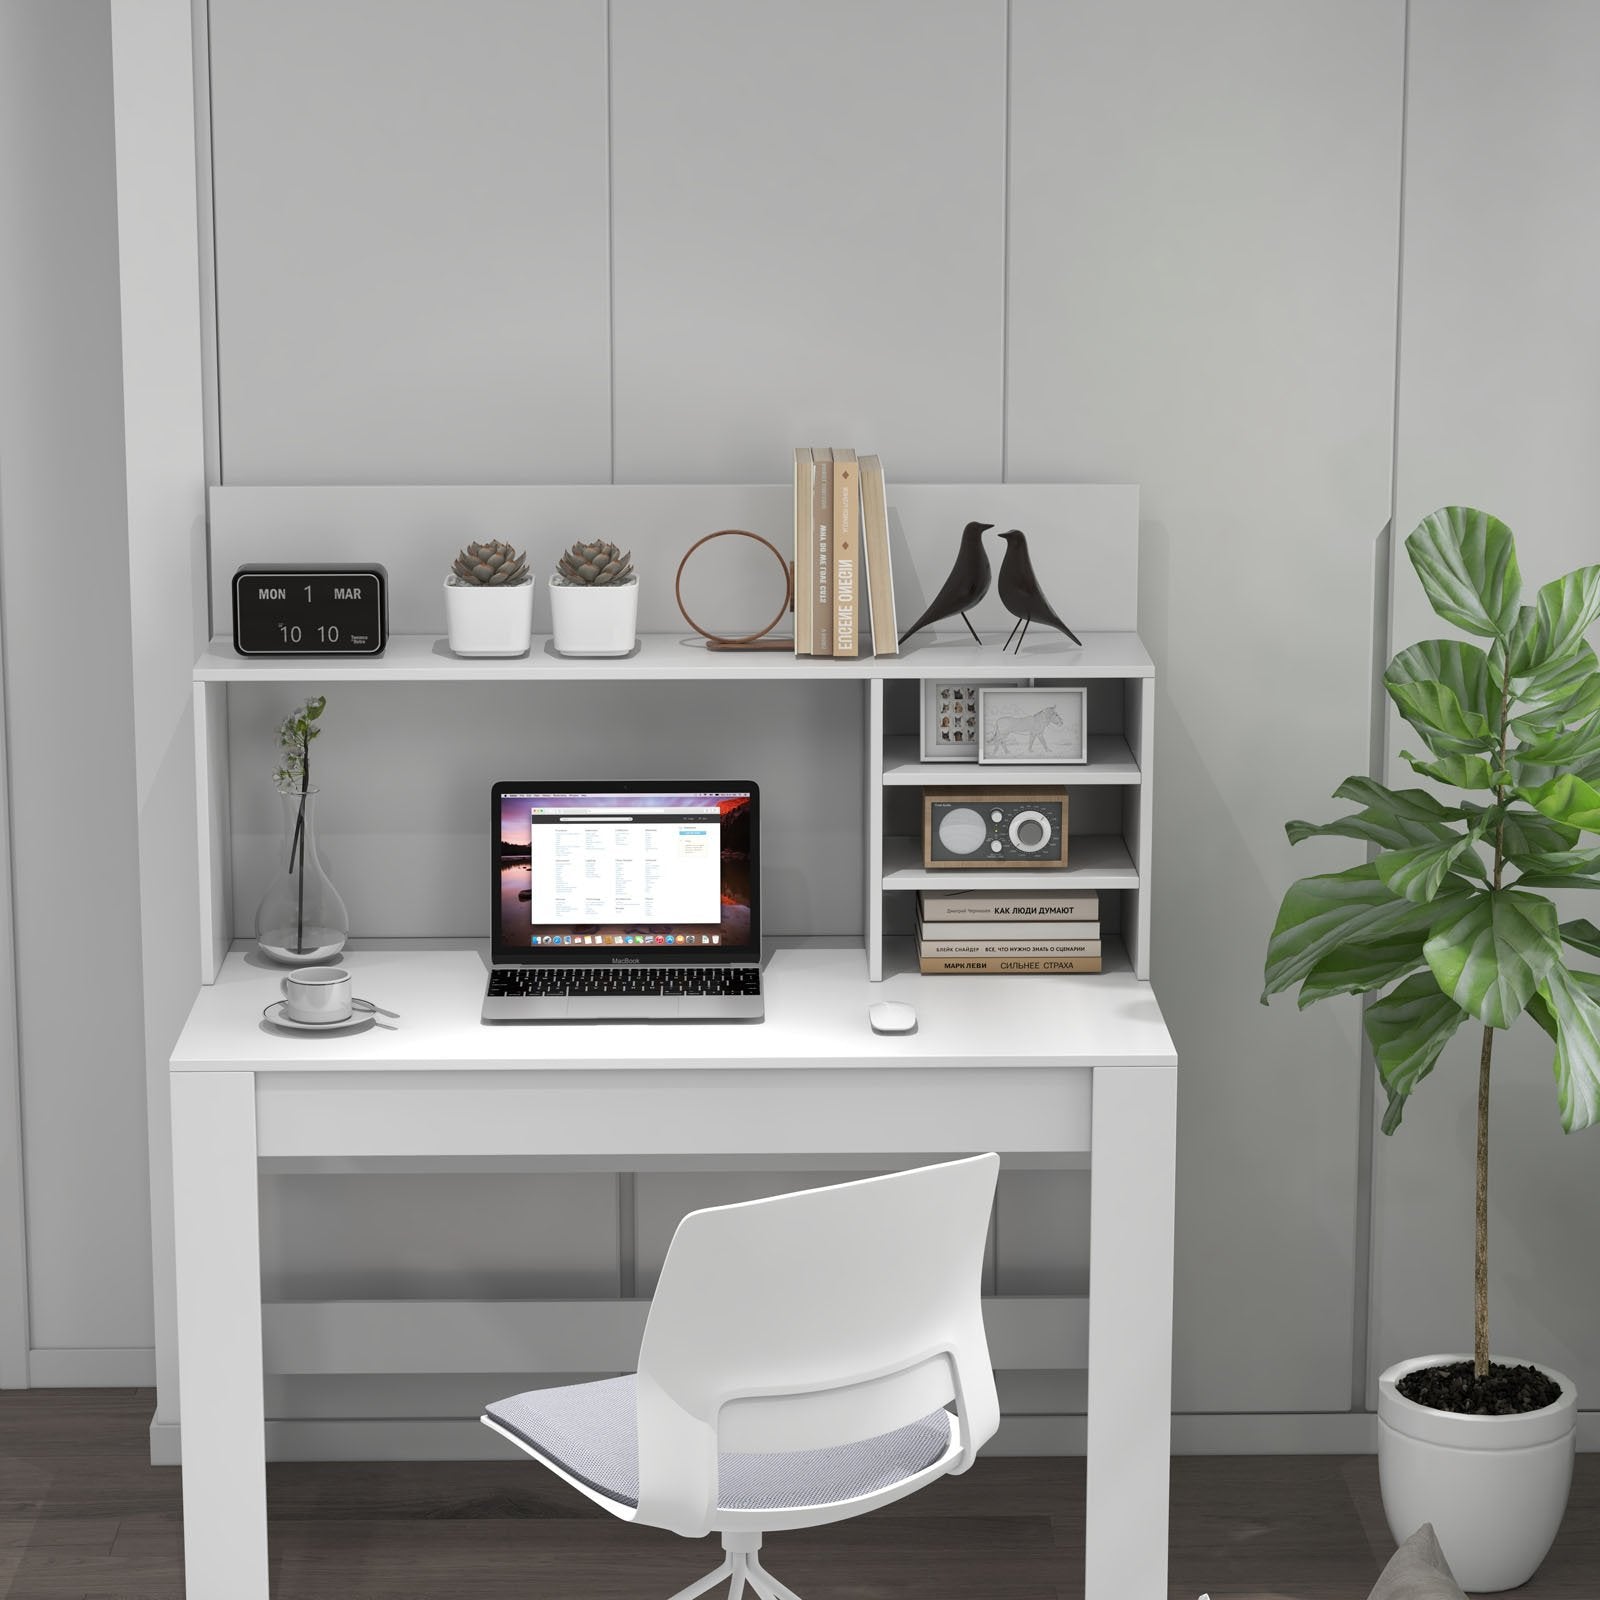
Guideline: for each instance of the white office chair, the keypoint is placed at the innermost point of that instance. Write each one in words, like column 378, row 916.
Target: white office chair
column 796, row 1365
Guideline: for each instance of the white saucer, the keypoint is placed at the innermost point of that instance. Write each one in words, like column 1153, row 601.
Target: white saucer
column 279, row 1018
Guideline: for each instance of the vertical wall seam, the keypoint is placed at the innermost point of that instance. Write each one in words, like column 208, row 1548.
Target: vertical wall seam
column 1378, row 768
column 211, row 327
column 1005, row 261
column 13, row 1361
column 611, row 266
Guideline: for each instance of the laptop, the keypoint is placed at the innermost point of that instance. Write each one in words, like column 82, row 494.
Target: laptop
column 638, row 902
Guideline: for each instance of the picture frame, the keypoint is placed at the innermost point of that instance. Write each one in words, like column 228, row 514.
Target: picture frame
column 948, row 721
column 1033, row 727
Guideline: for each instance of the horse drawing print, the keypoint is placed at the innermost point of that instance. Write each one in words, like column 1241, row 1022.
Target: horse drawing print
column 1036, row 727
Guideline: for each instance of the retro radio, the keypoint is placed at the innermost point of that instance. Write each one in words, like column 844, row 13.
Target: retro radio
column 1010, row 827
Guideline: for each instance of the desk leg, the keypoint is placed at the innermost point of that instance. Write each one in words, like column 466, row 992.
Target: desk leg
column 1134, row 1139
column 218, row 1257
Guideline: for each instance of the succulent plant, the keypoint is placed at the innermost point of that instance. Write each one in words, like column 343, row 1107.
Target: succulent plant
column 490, row 565
column 595, row 565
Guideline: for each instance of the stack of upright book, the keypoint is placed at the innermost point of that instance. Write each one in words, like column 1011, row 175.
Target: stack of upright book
column 1008, row 930
column 842, row 581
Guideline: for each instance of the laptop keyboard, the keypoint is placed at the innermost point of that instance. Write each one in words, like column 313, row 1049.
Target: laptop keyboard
column 527, row 982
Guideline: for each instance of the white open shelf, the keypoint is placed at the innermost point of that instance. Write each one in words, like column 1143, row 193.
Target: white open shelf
column 423, row 657
column 1094, row 861
column 1110, row 761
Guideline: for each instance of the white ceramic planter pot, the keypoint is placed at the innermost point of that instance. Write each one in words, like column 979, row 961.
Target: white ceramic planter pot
column 489, row 621
column 588, row 621
column 1494, row 1488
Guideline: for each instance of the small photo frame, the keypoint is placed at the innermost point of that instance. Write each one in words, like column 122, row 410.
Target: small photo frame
column 1033, row 727
column 949, row 722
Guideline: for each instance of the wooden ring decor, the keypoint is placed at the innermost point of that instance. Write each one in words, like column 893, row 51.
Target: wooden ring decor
column 749, row 641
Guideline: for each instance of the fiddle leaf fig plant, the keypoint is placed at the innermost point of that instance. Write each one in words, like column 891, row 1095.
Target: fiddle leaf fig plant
column 1447, row 925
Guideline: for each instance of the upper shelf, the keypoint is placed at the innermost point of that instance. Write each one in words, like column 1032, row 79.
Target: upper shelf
column 418, row 658
column 1110, row 761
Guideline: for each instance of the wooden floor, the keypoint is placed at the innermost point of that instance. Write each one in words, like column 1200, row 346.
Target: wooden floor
column 82, row 1513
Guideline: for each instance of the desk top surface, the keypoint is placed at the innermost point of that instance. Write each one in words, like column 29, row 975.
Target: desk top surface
column 817, row 999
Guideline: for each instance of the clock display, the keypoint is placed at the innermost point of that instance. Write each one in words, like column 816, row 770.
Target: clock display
column 310, row 611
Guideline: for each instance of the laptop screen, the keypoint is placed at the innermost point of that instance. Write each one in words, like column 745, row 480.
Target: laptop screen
column 652, row 872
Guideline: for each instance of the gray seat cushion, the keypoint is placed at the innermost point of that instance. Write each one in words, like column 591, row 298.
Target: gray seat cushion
column 1418, row 1571
column 590, row 1430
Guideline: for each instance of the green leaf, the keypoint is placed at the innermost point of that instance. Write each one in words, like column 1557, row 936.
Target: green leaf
column 1558, row 869
column 1492, row 955
column 1435, row 712
column 1574, row 998
column 1530, row 833
column 1567, row 799
column 1408, row 1028
column 1582, row 703
column 1362, row 966
column 1376, row 826
column 1560, row 678
column 1539, row 1010
column 1419, row 872
column 1415, row 804
column 1459, row 771
column 1566, row 609
column 1319, row 914
column 1564, row 746
column 1519, row 646
column 1560, row 746
column 1461, row 667
column 1467, row 561
column 1582, row 935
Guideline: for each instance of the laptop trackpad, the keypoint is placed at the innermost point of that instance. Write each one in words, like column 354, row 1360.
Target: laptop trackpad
column 622, row 1008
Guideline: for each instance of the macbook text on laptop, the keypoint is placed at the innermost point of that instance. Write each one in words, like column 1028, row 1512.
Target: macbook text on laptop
column 635, row 902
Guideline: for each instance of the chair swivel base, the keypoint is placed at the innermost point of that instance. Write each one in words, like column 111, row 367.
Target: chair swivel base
column 741, row 1566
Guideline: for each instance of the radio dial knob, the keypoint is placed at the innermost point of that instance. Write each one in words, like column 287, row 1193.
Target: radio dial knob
column 994, row 845
column 1030, row 831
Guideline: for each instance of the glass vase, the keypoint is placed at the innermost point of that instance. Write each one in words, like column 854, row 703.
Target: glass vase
column 301, row 920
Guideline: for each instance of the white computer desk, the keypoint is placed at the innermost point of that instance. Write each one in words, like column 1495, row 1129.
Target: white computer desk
column 1026, row 1066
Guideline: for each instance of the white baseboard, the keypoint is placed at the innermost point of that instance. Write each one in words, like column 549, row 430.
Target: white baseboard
column 133, row 1368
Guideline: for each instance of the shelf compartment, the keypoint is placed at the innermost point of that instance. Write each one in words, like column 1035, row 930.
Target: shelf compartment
column 900, row 959
column 1095, row 861
column 1110, row 761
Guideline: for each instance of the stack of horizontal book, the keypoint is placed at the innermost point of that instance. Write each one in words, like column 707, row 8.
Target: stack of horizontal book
column 1019, row 930
column 842, row 581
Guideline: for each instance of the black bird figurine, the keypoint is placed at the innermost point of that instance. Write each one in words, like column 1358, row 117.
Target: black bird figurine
column 967, row 584
column 1019, row 591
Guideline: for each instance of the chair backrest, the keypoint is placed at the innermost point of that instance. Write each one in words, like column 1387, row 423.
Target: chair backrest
column 814, row 1319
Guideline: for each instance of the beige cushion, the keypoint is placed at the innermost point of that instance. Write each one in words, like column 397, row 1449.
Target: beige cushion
column 1418, row 1571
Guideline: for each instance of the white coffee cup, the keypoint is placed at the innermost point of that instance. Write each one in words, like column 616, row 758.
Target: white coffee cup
column 318, row 994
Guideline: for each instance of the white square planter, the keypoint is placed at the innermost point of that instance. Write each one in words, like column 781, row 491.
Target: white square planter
column 489, row 621
column 588, row 621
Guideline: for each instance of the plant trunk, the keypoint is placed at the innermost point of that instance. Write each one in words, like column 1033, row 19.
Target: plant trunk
column 1480, row 1253
column 1480, row 1265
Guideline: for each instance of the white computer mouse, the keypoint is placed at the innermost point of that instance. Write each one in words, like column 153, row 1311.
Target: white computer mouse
column 891, row 1016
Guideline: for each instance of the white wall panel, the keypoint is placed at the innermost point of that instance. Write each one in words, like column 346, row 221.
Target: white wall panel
column 808, row 213
column 1499, row 408
column 411, row 240
column 69, row 695
column 1202, row 282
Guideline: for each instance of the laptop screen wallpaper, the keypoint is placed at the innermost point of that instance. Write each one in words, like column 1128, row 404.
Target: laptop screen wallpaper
column 660, row 872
